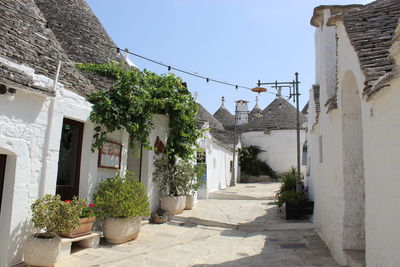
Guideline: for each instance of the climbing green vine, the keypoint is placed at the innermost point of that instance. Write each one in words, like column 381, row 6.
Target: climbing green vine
column 135, row 97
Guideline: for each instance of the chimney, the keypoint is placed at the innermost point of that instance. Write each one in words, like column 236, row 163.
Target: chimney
column 242, row 112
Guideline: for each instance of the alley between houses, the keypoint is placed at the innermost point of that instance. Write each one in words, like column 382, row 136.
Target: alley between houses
column 238, row 226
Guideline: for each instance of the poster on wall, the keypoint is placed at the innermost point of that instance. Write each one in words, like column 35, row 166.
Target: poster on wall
column 110, row 155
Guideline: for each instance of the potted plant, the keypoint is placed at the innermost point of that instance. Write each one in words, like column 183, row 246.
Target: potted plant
column 121, row 201
column 173, row 177
column 194, row 184
column 294, row 204
column 87, row 218
column 50, row 215
column 297, row 203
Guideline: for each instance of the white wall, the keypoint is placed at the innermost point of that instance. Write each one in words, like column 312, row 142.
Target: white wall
column 30, row 131
column 331, row 196
column 218, row 158
column 280, row 147
column 382, row 183
column 161, row 129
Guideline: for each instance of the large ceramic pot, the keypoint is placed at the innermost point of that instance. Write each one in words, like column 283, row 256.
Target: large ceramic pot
column 173, row 205
column 190, row 201
column 42, row 251
column 84, row 228
column 117, row 231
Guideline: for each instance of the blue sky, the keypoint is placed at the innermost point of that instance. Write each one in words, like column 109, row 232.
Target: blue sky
column 238, row 41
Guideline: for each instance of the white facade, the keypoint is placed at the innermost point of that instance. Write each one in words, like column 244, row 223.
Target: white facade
column 161, row 130
column 30, row 130
column 219, row 159
column 354, row 157
column 279, row 147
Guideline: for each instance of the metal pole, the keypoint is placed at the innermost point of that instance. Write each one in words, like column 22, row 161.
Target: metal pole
column 298, row 179
column 234, row 150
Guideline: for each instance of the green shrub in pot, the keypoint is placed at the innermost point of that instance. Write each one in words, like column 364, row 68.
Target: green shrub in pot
column 51, row 216
column 121, row 201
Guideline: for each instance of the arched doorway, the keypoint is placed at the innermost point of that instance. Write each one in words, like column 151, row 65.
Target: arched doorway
column 353, row 165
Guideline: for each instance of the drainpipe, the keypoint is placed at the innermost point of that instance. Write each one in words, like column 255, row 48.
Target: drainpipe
column 46, row 149
column 234, row 149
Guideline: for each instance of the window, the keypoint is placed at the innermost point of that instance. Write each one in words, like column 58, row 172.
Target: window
column 231, row 166
column 304, row 157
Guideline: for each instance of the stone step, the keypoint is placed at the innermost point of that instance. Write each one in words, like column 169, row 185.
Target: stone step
column 235, row 196
column 271, row 226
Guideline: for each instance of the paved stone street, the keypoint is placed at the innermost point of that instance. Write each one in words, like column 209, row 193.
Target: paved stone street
column 239, row 227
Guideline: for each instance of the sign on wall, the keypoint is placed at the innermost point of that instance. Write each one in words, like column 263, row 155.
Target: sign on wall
column 110, row 155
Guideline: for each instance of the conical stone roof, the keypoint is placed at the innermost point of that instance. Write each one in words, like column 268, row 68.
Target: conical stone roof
column 81, row 35
column 204, row 116
column 255, row 112
column 26, row 42
column 280, row 114
column 224, row 116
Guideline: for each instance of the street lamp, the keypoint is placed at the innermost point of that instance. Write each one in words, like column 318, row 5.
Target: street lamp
column 295, row 85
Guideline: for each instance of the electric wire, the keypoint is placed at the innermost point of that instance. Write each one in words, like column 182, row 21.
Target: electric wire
column 48, row 24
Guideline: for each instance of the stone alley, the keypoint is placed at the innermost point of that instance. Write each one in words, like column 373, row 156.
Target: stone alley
column 239, row 226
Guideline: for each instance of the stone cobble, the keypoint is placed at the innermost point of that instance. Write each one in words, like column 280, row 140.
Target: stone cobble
column 182, row 243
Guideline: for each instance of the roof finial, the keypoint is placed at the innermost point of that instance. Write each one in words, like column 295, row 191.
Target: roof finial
column 222, row 101
column 256, row 99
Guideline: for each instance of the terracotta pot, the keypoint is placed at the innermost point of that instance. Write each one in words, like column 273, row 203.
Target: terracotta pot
column 190, row 201
column 42, row 251
column 117, row 231
column 173, row 205
column 85, row 228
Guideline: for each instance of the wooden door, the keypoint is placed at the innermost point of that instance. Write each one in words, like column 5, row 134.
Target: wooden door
column 2, row 173
column 69, row 163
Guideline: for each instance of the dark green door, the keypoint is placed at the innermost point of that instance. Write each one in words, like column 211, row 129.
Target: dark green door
column 2, row 173
column 69, row 162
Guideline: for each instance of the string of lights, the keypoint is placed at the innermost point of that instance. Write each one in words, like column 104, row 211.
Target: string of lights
column 169, row 67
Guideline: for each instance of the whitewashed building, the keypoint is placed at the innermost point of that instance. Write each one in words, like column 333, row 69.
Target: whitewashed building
column 216, row 154
column 272, row 129
column 353, row 132
column 45, row 131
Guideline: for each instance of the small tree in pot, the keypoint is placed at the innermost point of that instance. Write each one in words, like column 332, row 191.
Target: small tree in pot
column 121, row 201
column 173, row 177
column 52, row 216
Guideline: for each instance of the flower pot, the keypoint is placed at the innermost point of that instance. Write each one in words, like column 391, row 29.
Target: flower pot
column 294, row 211
column 190, row 201
column 121, row 230
column 159, row 217
column 173, row 205
column 42, row 251
column 85, row 228
column 308, row 207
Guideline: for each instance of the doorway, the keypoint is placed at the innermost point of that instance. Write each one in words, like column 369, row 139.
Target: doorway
column 3, row 159
column 69, row 162
column 353, row 165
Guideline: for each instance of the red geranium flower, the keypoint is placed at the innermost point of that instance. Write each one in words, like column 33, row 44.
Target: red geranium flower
column 91, row 205
column 67, row 201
